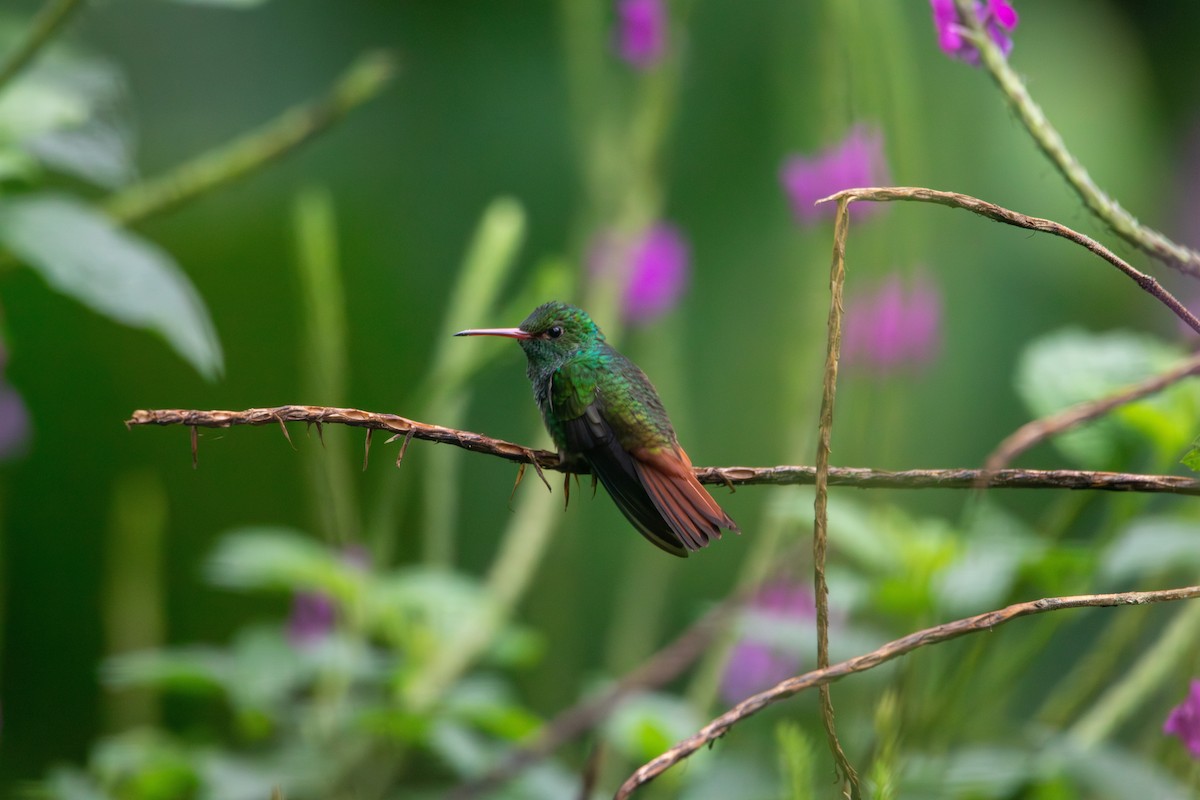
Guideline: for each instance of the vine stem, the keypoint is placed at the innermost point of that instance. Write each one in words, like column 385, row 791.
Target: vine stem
column 1051, row 143
column 894, row 649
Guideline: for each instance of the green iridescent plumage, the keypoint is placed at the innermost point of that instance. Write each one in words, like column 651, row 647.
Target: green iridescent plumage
column 600, row 407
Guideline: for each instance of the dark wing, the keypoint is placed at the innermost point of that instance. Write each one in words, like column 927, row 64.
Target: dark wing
column 650, row 480
column 593, row 438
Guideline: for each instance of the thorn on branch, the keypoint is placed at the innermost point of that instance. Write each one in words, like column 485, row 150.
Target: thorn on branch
column 516, row 483
column 195, row 448
column 783, row 475
column 286, row 435
column 408, row 437
column 367, row 448
column 538, row 468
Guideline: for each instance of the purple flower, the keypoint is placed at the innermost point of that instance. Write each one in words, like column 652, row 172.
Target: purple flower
column 652, row 270
column 889, row 328
column 14, row 418
column 312, row 619
column 1184, row 721
column 314, row 614
column 641, row 31
column 998, row 17
column 757, row 663
column 856, row 162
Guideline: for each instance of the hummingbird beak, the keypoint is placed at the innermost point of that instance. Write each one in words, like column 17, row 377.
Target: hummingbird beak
column 511, row 333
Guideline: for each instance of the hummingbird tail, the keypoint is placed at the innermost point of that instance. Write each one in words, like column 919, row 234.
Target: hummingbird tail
column 688, row 508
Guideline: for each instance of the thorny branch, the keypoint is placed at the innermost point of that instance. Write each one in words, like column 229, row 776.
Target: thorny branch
column 859, row 477
column 893, row 649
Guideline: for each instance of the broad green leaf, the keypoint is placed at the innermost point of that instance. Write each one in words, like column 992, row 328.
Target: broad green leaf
column 30, row 107
column 82, row 254
column 188, row 670
column 980, row 577
column 98, row 151
column 69, row 783
column 974, row 772
column 646, row 724
column 491, row 706
column 278, row 558
column 1072, row 366
column 1111, row 773
column 71, row 112
column 1150, row 545
column 16, row 164
column 145, row 764
column 1191, row 459
column 423, row 609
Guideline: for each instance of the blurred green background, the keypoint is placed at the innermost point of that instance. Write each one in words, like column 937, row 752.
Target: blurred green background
column 484, row 105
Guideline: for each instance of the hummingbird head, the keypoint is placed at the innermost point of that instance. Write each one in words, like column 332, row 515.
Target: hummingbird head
column 554, row 332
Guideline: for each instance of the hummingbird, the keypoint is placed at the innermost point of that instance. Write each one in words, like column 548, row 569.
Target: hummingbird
column 599, row 407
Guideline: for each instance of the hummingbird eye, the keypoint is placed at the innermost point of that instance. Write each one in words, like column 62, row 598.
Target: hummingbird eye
column 554, row 331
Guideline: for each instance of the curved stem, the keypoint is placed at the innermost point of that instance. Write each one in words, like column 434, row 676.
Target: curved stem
column 1051, row 143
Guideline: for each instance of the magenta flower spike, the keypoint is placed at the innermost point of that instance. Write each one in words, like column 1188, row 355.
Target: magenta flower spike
column 1184, row 721
column 641, row 32
column 756, row 665
column 892, row 327
column 997, row 16
column 653, row 270
column 855, row 162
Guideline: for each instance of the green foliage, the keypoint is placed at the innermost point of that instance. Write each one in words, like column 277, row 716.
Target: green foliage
column 420, row 678
column 647, row 723
column 1191, row 459
column 337, row 690
column 1072, row 366
column 67, row 113
column 80, row 253
column 796, row 761
column 1151, row 546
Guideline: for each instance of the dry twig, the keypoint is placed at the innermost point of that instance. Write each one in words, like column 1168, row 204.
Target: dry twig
column 837, row 279
column 893, row 649
column 1038, row 430
column 1016, row 219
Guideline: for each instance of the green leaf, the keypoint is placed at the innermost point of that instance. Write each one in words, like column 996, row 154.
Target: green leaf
column 1150, row 545
column 646, row 724
column 270, row 557
column 998, row 544
column 146, row 765
column 1112, row 773
column 490, row 705
column 974, row 772
column 69, row 783
column 1072, row 366
column 193, row 670
column 82, row 254
column 1191, row 459
column 423, row 609
column 71, row 112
